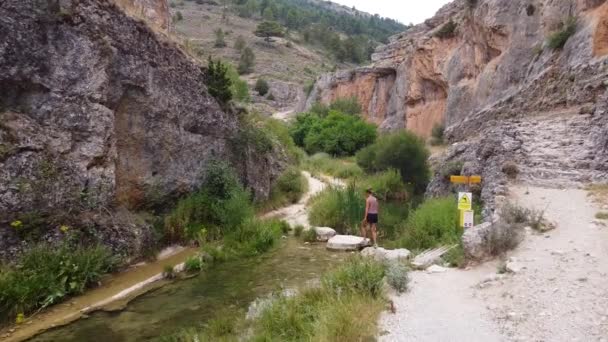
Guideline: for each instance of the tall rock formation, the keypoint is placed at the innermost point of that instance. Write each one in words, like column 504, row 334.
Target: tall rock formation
column 154, row 12
column 503, row 93
column 100, row 117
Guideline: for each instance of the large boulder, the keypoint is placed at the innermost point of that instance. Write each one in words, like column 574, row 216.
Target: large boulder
column 324, row 233
column 347, row 243
column 381, row 254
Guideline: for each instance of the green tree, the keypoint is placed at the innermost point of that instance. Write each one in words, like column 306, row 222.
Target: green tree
column 220, row 42
column 401, row 151
column 262, row 86
column 218, row 82
column 247, row 61
column 268, row 29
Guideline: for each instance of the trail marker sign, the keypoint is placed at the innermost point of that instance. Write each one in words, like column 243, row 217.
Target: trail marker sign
column 468, row 219
column 465, row 179
column 465, row 201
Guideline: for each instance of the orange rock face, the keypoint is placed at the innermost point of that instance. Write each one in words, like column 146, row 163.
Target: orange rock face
column 495, row 57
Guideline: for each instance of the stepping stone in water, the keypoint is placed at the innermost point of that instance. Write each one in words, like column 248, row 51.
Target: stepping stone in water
column 347, row 243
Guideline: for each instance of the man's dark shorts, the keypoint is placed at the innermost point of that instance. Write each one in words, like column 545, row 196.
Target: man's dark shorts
column 372, row 218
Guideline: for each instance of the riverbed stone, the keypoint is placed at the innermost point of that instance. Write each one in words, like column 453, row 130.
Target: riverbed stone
column 347, row 243
column 324, row 233
column 381, row 254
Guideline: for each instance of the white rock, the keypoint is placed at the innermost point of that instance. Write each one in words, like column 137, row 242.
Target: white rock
column 346, row 243
column 436, row 269
column 514, row 267
column 324, row 233
column 382, row 254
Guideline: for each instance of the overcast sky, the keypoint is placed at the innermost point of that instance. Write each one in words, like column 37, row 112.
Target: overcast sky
column 406, row 11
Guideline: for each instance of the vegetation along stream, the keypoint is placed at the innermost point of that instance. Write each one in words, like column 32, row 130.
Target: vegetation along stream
column 190, row 303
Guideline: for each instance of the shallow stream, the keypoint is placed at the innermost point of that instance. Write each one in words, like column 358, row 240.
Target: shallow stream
column 191, row 303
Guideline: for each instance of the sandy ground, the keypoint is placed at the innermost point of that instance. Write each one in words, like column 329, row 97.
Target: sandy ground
column 560, row 293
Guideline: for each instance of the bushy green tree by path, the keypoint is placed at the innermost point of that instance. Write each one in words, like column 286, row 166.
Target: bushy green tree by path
column 401, row 151
column 337, row 134
column 262, row 86
column 220, row 41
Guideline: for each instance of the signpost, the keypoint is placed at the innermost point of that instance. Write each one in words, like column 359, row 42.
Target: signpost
column 465, row 200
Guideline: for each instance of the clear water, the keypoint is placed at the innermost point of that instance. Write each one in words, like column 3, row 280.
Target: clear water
column 190, row 303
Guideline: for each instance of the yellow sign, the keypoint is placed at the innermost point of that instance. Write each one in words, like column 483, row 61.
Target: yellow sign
column 465, row 179
column 475, row 179
column 465, row 201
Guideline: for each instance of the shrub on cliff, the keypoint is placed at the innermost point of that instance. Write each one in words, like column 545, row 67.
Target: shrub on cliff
column 558, row 39
column 346, row 105
column 337, row 134
column 262, row 86
column 401, row 151
column 447, row 30
column 218, row 81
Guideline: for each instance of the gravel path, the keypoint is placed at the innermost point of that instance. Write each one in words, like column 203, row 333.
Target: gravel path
column 297, row 214
column 559, row 294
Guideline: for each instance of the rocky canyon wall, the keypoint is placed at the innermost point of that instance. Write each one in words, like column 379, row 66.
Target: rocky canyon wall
column 498, row 48
column 154, row 12
column 504, row 94
column 101, row 117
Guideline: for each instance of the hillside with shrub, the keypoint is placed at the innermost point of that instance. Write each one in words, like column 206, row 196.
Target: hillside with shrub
column 310, row 37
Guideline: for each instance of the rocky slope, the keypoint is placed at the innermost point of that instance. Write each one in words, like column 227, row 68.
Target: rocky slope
column 100, row 117
column 503, row 93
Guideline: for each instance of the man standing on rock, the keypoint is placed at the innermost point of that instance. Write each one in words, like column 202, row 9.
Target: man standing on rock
column 371, row 217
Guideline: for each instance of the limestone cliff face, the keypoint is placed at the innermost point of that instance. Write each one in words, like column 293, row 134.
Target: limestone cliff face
column 495, row 53
column 502, row 92
column 99, row 117
column 154, row 12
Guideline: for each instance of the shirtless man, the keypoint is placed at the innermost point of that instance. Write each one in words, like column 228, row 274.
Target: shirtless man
column 371, row 217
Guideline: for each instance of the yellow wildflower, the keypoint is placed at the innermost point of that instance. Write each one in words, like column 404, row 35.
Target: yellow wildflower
column 64, row 228
column 16, row 224
column 20, row 318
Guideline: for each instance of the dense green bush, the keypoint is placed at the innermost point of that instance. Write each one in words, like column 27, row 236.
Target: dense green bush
column 254, row 237
column 341, row 209
column 558, row 39
column 262, row 86
column 401, row 151
column 433, row 223
column 218, row 81
column 337, row 134
column 238, row 86
column 292, row 184
column 387, row 185
column 357, row 276
column 45, row 275
column 193, row 264
column 246, row 61
column 222, row 204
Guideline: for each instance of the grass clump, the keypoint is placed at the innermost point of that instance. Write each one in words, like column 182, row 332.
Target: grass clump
column 344, row 308
column 397, row 276
column 602, row 215
column 559, row 38
column 309, row 235
column 298, row 230
column 401, row 151
column 433, row 223
column 287, row 189
column 341, row 209
column 339, row 168
column 193, row 264
column 45, row 275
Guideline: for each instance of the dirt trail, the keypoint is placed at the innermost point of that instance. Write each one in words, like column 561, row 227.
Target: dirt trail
column 297, row 214
column 560, row 293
